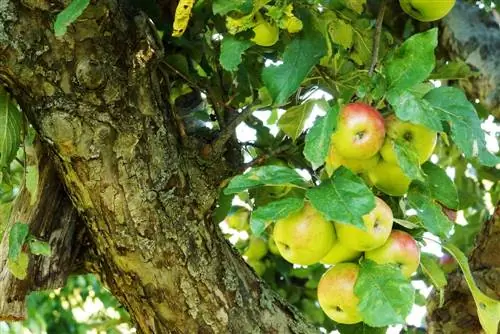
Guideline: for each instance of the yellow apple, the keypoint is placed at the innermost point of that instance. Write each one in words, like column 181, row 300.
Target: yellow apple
column 304, row 237
column 378, row 225
column 422, row 139
column 340, row 253
column 271, row 244
column 258, row 266
column 238, row 218
column 266, row 33
column 336, row 293
column 257, row 248
column 360, row 131
column 335, row 160
column 427, row 10
column 400, row 249
column 389, row 178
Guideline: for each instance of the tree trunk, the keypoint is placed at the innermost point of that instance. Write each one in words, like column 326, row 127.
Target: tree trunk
column 93, row 97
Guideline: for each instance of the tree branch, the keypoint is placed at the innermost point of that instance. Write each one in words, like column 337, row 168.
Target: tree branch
column 376, row 36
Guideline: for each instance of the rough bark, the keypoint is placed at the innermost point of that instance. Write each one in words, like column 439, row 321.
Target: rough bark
column 458, row 313
column 473, row 35
column 52, row 218
column 94, row 98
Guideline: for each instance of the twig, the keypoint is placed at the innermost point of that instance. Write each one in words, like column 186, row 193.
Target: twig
column 376, row 36
column 266, row 156
column 217, row 147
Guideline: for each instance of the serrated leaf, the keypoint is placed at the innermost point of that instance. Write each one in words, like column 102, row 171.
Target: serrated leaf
column 300, row 56
column 265, row 215
column 231, row 52
column 440, row 185
column 32, row 182
column 10, row 129
column 413, row 61
column 293, row 120
column 385, row 295
column 488, row 309
column 19, row 266
column 341, row 33
column 433, row 218
column 407, row 159
column 318, row 138
column 343, row 198
column 265, row 175
column 464, row 123
column 222, row 7
column 38, row 247
column 434, row 272
column 69, row 15
column 17, row 237
column 410, row 108
column 453, row 70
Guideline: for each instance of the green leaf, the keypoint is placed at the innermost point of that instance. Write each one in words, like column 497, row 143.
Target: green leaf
column 488, row 309
column 433, row 218
column 440, row 185
column 19, row 266
column 453, row 70
column 300, row 56
column 38, row 247
column 434, row 272
column 69, row 15
column 223, row 206
column 222, row 7
column 385, row 295
column 319, row 137
column 231, row 52
column 360, row 328
column 265, row 215
column 355, row 5
column 17, row 237
column 10, row 129
column 341, row 33
column 465, row 125
column 413, row 61
column 408, row 160
column 410, row 108
column 293, row 120
column 265, row 175
column 343, row 198
column 32, row 182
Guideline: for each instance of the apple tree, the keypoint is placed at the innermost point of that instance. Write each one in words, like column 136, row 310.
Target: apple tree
column 254, row 166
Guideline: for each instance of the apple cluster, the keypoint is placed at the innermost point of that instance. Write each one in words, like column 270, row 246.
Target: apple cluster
column 306, row 237
column 364, row 142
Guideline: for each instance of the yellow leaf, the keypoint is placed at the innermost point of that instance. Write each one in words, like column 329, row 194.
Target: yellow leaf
column 182, row 15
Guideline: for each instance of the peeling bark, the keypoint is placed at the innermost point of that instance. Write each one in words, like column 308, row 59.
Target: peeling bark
column 93, row 98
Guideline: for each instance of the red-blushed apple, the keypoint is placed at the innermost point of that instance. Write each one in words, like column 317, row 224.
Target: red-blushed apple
column 427, row 10
column 378, row 225
column 304, row 237
column 336, row 293
column 389, row 178
column 421, row 139
column 448, row 263
column 340, row 253
column 360, row 131
column 400, row 249
column 334, row 160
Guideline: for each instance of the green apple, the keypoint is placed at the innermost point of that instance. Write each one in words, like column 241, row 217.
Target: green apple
column 422, row 139
column 271, row 244
column 335, row 160
column 378, row 225
column 389, row 178
column 258, row 266
column 427, row 10
column 340, row 253
column 360, row 131
column 266, row 33
column 336, row 293
column 238, row 218
column 257, row 248
column 304, row 237
column 400, row 249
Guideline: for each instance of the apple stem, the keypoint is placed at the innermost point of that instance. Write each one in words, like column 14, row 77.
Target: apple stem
column 376, row 36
